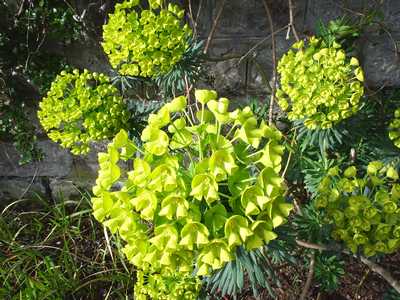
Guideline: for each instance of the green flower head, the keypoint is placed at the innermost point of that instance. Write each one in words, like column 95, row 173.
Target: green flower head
column 319, row 84
column 145, row 42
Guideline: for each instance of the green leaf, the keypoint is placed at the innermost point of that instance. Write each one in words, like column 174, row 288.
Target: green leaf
column 204, row 96
column 237, row 230
column 194, row 233
column 145, row 203
column 121, row 139
column 249, row 200
column 215, row 217
column 204, row 186
column 270, row 181
column 165, row 237
column 262, row 234
column 174, row 206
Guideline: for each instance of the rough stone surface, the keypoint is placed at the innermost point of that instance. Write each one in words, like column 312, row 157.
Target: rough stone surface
column 241, row 68
column 18, row 188
column 63, row 189
column 57, row 162
column 243, row 24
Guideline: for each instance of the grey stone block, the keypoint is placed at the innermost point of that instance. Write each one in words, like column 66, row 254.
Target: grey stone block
column 57, row 162
column 16, row 188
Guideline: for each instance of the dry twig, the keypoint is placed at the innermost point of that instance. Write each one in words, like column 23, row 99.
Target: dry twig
column 273, row 88
column 385, row 274
column 214, row 27
column 310, row 276
column 291, row 22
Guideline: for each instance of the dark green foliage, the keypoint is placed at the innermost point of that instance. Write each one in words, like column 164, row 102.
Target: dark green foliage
column 328, row 271
column 391, row 294
column 186, row 72
column 27, row 69
column 255, row 267
column 309, row 226
column 230, row 279
column 259, row 109
column 314, row 168
column 342, row 31
column 140, row 111
column 15, row 126
column 323, row 139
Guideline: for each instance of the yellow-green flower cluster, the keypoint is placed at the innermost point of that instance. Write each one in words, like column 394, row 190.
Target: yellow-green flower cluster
column 145, row 42
column 365, row 211
column 394, row 128
column 80, row 108
column 319, row 84
column 198, row 189
column 166, row 286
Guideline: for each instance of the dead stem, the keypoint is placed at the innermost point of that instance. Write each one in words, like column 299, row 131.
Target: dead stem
column 214, row 27
column 273, row 88
column 310, row 276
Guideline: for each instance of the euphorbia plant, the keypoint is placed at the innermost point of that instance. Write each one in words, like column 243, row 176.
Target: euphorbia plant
column 197, row 190
column 319, row 83
column 394, row 128
column 145, row 42
column 82, row 107
column 363, row 210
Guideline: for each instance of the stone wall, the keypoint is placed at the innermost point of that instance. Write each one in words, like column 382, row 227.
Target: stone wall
column 240, row 67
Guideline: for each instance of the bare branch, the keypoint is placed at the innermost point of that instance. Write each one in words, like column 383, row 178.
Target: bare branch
column 214, row 27
column 385, row 274
column 261, row 42
column 273, row 88
column 310, row 277
column 291, row 22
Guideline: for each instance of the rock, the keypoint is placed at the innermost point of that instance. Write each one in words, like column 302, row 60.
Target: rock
column 57, row 162
column 377, row 48
column 12, row 189
column 63, row 189
column 380, row 63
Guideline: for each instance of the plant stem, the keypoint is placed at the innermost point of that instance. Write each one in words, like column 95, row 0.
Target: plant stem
column 372, row 265
column 273, row 88
column 214, row 27
column 309, row 276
